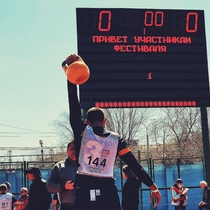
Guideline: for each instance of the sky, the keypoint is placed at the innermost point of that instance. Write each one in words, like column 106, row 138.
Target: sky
column 35, row 37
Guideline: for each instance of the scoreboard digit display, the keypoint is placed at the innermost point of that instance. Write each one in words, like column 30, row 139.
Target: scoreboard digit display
column 143, row 57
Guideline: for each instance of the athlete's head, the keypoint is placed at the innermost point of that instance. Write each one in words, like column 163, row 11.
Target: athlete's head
column 95, row 117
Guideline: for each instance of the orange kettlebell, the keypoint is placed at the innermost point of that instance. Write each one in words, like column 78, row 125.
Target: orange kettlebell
column 77, row 72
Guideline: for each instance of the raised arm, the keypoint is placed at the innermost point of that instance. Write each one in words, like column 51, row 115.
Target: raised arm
column 74, row 109
column 75, row 116
column 74, row 104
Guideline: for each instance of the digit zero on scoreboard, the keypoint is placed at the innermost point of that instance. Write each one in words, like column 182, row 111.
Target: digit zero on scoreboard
column 143, row 57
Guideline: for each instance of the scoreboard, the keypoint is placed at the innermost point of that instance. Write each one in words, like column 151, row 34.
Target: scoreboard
column 143, row 57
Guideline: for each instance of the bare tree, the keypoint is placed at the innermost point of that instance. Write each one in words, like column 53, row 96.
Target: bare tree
column 62, row 128
column 184, row 126
column 126, row 121
column 167, row 132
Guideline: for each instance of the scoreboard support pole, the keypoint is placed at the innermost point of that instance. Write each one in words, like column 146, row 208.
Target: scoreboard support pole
column 206, row 146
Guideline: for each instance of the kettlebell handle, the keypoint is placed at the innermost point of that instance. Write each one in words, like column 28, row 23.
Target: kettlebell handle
column 64, row 63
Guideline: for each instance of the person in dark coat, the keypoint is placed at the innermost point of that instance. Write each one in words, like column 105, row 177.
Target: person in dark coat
column 205, row 203
column 39, row 197
column 130, row 190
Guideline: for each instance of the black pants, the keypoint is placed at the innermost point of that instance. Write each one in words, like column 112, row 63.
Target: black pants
column 204, row 207
column 66, row 207
column 105, row 199
column 180, row 207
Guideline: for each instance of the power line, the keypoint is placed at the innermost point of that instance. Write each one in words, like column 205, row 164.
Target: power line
column 11, row 136
column 11, row 132
column 37, row 131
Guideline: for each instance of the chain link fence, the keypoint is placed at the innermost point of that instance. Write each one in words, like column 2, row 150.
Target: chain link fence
column 163, row 164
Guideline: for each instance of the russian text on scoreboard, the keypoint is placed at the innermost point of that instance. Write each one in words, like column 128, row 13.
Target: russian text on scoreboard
column 143, row 57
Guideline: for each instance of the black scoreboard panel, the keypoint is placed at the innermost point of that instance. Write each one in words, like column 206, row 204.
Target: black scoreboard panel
column 143, row 57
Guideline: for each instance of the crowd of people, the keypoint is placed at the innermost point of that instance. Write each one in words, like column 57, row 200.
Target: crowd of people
column 37, row 197
column 85, row 179
column 44, row 194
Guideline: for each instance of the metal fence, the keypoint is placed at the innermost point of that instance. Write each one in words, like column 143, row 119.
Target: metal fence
column 164, row 171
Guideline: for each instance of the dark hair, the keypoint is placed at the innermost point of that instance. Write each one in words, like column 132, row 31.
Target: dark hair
column 95, row 114
column 3, row 187
column 69, row 143
column 34, row 170
column 178, row 181
column 7, row 184
column 128, row 172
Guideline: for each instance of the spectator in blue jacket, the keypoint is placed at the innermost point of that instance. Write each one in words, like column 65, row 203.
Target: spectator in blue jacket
column 61, row 179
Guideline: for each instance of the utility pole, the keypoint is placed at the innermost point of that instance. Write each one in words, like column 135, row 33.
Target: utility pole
column 41, row 144
column 206, row 145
